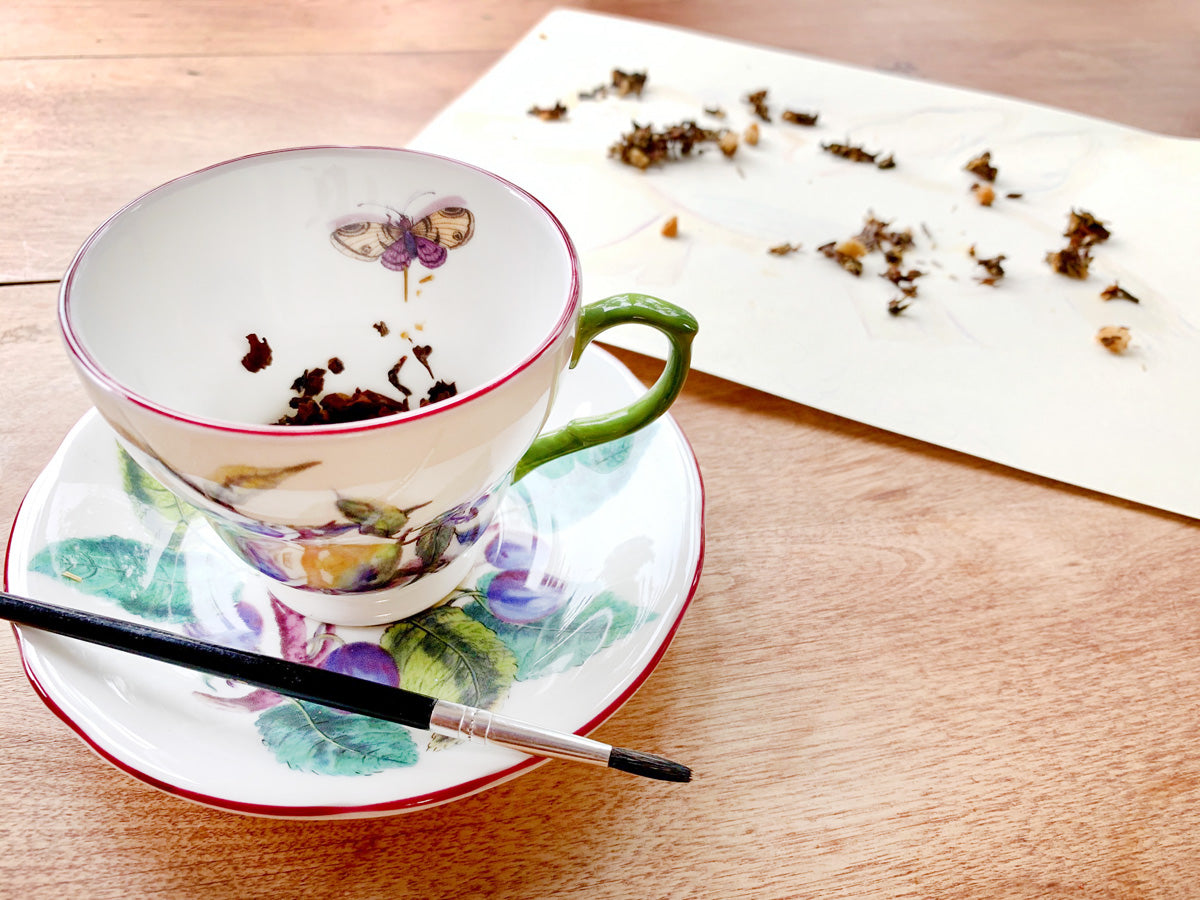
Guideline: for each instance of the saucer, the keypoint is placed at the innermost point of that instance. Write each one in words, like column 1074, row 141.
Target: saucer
column 587, row 571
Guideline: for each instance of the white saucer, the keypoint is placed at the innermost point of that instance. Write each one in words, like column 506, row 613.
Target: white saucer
column 613, row 541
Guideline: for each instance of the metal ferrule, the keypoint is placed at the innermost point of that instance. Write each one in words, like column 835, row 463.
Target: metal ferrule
column 458, row 721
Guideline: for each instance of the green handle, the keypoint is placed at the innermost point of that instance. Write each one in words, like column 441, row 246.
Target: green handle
column 680, row 328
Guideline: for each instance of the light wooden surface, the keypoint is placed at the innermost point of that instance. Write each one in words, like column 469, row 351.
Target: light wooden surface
column 907, row 673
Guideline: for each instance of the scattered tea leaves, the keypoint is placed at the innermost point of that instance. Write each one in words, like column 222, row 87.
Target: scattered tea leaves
column 991, row 265
column 335, row 365
column 852, row 247
column 622, row 83
column 554, row 113
column 855, row 153
column 750, row 135
column 985, row 194
column 1071, row 261
column 422, row 354
column 314, row 407
column 393, row 376
column 311, row 383
column 1084, row 229
column 1115, row 292
column 850, row 263
column 1083, row 232
column 627, row 83
column 361, row 405
column 382, row 328
column 981, row 166
column 851, row 152
column 905, row 281
column 758, row 103
column 338, row 408
column 644, row 147
column 1114, row 338
column 877, row 234
column 799, row 118
column 259, row 355
column 783, row 249
column 670, row 227
column 441, row 390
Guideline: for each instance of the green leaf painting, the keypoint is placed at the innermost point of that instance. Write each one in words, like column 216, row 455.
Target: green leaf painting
column 149, row 494
column 324, row 741
column 602, row 458
column 433, row 541
column 610, row 456
column 379, row 519
column 447, row 654
column 142, row 579
column 566, row 639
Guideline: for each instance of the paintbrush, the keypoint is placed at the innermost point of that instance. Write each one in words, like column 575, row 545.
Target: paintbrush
column 334, row 689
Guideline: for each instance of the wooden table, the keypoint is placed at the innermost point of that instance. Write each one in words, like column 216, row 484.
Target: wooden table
column 906, row 673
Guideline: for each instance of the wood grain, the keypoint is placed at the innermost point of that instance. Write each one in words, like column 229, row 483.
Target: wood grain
column 43, row 398
column 96, row 116
column 907, row 673
column 89, row 136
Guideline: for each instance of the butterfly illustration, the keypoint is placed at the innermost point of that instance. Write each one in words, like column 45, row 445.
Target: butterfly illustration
column 399, row 241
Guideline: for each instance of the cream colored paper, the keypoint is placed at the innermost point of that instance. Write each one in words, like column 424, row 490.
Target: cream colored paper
column 1012, row 373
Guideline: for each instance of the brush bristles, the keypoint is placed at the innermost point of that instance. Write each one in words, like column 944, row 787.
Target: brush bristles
column 648, row 765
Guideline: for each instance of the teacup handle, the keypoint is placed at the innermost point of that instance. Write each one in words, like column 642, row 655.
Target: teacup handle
column 677, row 324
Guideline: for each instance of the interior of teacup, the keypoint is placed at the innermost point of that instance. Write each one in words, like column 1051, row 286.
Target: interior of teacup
column 346, row 260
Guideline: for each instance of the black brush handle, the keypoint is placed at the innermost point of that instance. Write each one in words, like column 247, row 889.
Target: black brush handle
column 293, row 679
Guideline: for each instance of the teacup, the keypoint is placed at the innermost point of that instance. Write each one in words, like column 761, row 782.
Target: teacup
column 343, row 357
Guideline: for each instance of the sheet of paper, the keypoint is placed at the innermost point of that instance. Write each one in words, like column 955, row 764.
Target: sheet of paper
column 1011, row 372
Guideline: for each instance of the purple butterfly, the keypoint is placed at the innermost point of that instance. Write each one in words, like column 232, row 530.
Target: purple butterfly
column 399, row 241
column 400, row 254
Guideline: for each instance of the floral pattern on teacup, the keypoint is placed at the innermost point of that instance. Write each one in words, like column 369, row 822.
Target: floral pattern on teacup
column 375, row 547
